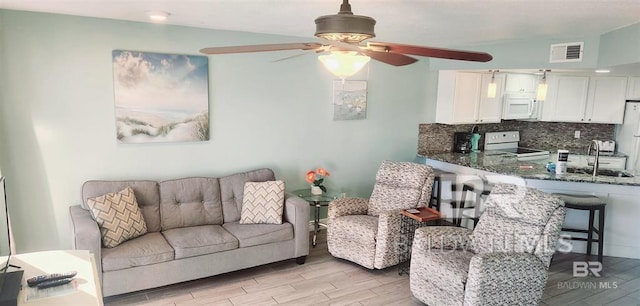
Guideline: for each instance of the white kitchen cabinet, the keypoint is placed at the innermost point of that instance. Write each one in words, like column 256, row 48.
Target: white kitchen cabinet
column 566, row 98
column 633, row 88
column 490, row 109
column 585, row 99
column 521, row 83
column 605, row 101
column 462, row 98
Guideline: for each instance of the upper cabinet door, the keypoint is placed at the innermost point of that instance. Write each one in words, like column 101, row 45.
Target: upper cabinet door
column 458, row 97
column 566, row 98
column 521, row 83
column 633, row 89
column 585, row 99
column 490, row 109
column 605, row 102
column 467, row 97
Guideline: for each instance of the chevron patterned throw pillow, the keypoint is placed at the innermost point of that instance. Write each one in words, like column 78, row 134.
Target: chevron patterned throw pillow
column 263, row 202
column 118, row 217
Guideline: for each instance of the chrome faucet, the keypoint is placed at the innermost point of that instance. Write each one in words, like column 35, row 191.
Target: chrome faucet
column 594, row 144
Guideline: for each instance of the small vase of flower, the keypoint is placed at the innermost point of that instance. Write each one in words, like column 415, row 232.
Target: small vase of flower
column 316, row 178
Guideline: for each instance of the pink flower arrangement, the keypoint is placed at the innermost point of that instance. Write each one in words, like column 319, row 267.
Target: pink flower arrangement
column 317, row 177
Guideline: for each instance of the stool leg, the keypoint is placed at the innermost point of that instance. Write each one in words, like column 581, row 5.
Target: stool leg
column 439, row 194
column 600, row 233
column 590, row 229
column 461, row 204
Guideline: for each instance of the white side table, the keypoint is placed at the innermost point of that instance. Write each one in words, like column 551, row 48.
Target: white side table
column 47, row 262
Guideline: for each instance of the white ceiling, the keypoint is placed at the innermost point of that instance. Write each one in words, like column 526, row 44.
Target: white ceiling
column 439, row 23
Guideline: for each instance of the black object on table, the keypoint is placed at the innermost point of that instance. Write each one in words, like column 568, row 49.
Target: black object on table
column 316, row 201
column 410, row 222
column 10, row 285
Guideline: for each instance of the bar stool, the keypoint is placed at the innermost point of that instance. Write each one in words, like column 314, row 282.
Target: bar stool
column 592, row 204
column 474, row 210
column 436, row 195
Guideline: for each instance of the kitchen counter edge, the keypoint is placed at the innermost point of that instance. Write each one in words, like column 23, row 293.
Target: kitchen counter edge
column 511, row 166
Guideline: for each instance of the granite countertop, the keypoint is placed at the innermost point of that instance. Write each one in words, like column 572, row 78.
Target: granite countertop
column 507, row 164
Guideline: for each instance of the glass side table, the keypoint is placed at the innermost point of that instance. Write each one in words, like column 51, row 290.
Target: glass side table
column 316, row 201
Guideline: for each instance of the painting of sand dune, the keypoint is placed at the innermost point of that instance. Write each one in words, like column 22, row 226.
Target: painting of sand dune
column 160, row 97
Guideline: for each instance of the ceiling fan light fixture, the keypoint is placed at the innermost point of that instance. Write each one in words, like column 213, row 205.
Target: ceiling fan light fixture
column 344, row 64
column 345, row 26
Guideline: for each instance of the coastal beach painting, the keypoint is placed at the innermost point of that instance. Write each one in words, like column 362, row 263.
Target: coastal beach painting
column 349, row 100
column 160, row 97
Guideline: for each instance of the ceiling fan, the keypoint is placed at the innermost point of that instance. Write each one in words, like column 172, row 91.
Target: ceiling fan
column 342, row 34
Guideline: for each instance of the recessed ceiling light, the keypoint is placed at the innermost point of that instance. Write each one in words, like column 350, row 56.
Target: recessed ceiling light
column 603, row 70
column 158, row 16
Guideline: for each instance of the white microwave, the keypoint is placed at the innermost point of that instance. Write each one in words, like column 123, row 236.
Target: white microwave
column 520, row 106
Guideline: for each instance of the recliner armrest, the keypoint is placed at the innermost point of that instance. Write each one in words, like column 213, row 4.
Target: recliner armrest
column 442, row 237
column 86, row 234
column 389, row 241
column 296, row 212
column 505, row 279
column 347, row 206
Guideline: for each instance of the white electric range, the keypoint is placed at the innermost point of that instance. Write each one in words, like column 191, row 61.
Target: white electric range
column 507, row 143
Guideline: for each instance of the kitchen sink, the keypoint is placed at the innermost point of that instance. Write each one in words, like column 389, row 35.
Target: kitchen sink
column 601, row 172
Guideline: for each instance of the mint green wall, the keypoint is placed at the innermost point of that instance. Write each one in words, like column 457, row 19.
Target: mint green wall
column 620, row 47
column 57, row 116
column 529, row 54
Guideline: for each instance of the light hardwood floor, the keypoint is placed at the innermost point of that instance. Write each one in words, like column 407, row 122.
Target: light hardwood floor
column 324, row 280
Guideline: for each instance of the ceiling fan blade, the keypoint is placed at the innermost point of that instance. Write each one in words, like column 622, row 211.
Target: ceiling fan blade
column 431, row 52
column 261, row 48
column 395, row 59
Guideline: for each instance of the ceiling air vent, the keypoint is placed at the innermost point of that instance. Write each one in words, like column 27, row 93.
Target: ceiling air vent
column 564, row 53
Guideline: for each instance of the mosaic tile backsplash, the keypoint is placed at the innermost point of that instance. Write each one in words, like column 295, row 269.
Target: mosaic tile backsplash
column 551, row 136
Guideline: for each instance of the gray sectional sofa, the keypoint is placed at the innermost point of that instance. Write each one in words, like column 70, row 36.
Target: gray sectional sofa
column 193, row 231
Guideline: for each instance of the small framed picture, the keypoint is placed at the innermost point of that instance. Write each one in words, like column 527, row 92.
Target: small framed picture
column 349, row 100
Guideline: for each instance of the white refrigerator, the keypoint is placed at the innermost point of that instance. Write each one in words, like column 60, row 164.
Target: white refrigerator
column 628, row 136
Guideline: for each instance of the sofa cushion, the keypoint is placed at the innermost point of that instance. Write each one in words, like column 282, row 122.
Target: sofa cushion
column 190, row 202
column 199, row 240
column 145, row 250
column 232, row 190
column 146, row 192
column 118, row 216
column 263, row 202
column 256, row 234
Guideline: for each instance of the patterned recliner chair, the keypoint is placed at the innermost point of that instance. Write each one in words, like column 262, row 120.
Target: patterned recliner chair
column 366, row 231
column 504, row 261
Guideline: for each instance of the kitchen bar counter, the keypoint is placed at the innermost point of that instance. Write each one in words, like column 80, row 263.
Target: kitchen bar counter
column 622, row 195
column 509, row 165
